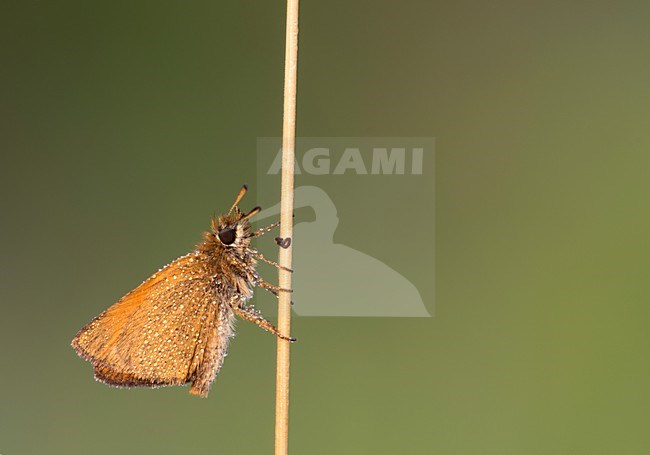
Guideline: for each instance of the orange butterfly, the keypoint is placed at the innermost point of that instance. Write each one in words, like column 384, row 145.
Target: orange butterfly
column 175, row 327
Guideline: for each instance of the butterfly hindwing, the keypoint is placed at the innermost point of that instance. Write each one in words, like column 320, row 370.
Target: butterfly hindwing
column 164, row 332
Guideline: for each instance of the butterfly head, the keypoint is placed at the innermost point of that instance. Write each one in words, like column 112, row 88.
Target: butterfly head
column 233, row 229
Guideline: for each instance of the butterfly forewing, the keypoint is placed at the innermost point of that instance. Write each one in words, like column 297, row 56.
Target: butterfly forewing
column 158, row 333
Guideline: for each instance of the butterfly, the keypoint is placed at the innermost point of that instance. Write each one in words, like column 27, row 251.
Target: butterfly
column 175, row 327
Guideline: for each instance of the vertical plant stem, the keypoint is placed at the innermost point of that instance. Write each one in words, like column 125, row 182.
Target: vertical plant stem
column 286, row 229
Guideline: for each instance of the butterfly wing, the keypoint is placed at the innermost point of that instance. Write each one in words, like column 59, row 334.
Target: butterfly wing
column 172, row 329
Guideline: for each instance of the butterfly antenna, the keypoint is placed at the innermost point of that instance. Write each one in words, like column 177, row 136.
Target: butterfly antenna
column 253, row 212
column 238, row 198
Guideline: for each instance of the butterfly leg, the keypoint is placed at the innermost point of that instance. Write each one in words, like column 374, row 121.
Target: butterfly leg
column 253, row 315
column 271, row 287
column 275, row 290
column 264, row 230
column 259, row 256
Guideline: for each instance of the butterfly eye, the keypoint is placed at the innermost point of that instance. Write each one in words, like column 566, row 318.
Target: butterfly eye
column 227, row 236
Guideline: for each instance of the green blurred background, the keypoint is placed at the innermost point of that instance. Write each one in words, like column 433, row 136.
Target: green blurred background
column 125, row 124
